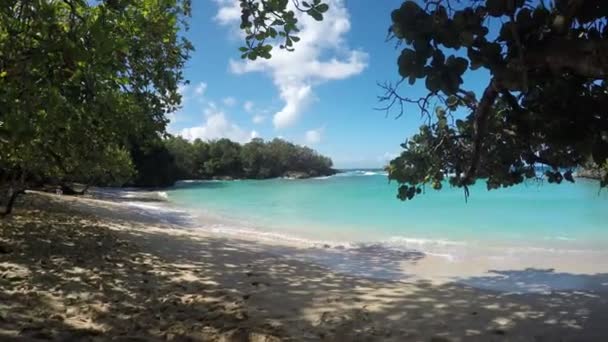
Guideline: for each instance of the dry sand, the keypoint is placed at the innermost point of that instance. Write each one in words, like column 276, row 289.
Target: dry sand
column 83, row 269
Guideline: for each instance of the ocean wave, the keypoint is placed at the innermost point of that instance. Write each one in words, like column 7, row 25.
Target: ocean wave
column 273, row 236
column 190, row 181
column 437, row 248
column 407, row 241
column 151, row 207
column 352, row 173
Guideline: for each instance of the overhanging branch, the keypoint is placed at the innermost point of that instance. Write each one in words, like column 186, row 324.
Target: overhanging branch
column 480, row 125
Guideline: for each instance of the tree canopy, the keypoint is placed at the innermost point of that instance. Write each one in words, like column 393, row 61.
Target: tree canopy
column 257, row 159
column 81, row 80
column 544, row 101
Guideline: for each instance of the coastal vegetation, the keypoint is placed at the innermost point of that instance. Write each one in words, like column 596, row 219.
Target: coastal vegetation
column 544, row 100
column 82, row 83
column 180, row 159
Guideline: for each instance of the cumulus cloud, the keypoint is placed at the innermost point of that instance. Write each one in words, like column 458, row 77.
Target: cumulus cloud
column 200, row 89
column 313, row 136
column 322, row 55
column 218, row 126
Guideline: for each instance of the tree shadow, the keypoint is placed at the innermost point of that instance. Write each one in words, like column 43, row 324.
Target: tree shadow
column 543, row 281
column 368, row 261
column 66, row 276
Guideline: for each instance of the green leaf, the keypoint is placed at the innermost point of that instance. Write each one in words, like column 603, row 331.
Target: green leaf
column 452, row 102
column 322, row 8
column 315, row 14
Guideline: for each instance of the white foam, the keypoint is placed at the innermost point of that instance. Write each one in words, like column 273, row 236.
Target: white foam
column 271, row 236
column 353, row 173
column 407, row 241
column 447, row 256
column 152, row 207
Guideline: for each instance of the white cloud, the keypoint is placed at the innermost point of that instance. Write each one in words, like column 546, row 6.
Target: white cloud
column 254, row 134
column 248, row 106
column 218, row 126
column 230, row 11
column 229, row 101
column 200, row 89
column 295, row 73
column 313, row 136
column 258, row 119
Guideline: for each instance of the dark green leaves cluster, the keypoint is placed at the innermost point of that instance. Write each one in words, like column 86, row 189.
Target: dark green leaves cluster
column 426, row 31
column 266, row 21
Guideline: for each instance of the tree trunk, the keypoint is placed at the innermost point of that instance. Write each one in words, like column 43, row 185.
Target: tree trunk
column 11, row 201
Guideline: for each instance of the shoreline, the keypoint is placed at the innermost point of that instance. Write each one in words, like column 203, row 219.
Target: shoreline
column 88, row 269
column 438, row 261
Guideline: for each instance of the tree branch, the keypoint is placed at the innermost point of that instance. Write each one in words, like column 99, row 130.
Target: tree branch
column 479, row 128
column 392, row 97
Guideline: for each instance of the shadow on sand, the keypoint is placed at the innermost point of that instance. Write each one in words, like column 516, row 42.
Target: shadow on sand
column 65, row 277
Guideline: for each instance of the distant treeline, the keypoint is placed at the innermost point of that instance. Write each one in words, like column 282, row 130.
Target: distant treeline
column 176, row 158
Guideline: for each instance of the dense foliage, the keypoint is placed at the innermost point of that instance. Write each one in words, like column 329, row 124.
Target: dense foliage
column 544, row 101
column 256, row 159
column 80, row 81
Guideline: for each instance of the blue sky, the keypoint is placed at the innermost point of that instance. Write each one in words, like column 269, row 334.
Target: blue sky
column 322, row 95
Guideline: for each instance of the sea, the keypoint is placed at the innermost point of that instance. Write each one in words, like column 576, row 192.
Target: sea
column 358, row 209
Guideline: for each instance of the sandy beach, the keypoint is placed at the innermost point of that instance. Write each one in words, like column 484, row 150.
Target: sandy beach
column 82, row 269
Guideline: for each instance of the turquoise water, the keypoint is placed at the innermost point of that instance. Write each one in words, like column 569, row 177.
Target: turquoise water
column 360, row 206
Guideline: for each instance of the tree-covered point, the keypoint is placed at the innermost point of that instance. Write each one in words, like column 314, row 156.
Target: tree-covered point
column 544, row 100
column 225, row 159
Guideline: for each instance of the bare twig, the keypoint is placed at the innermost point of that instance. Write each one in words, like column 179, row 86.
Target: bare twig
column 391, row 97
